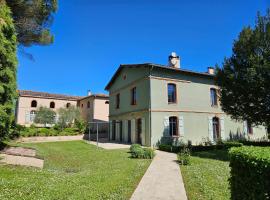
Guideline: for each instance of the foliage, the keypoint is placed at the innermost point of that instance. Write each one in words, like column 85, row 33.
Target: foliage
column 81, row 125
column 137, row 151
column 184, row 156
column 207, row 176
column 244, row 79
column 256, row 143
column 8, row 69
column 45, row 116
column 67, row 116
column 34, row 131
column 250, row 173
column 70, row 168
column 228, row 145
column 32, row 20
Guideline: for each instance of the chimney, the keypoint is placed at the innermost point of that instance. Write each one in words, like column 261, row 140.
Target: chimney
column 211, row 70
column 89, row 93
column 174, row 60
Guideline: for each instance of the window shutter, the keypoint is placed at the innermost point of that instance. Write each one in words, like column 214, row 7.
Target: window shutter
column 222, row 128
column 245, row 128
column 166, row 126
column 143, row 131
column 27, row 117
column 133, row 130
column 210, row 128
column 181, row 126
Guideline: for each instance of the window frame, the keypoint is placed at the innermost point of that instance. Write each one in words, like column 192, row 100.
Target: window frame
column 133, row 95
column 117, row 105
column 88, row 104
column 176, row 123
column 214, row 102
column 175, row 93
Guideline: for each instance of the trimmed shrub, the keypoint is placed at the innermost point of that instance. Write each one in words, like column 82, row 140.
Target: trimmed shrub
column 134, row 146
column 250, row 173
column 256, row 143
column 184, row 156
column 137, row 151
column 228, row 145
column 149, row 153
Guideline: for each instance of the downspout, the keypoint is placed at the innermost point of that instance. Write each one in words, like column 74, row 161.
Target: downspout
column 150, row 106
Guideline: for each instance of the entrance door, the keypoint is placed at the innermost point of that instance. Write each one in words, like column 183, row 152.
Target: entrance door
column 216, row 129
column 129, row 131
column 139, row 131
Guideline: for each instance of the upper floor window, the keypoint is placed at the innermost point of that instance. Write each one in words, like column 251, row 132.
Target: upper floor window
column 173, row 128
column 88, row 104
column 249, row 128
column 118, row 100
column 34, row 104
column 52, row 105
column 213, row 95
column 68, row 105
column 171, row 93
column 133, row 96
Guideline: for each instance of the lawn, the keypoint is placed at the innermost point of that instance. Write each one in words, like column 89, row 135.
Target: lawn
column 74, row 170
column 207, row 176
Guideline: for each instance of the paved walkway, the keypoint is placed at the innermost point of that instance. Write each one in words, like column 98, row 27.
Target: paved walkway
column 110, row 145
column 162, row 180
column 21, row 160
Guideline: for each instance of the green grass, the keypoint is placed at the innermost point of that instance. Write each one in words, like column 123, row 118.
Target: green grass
column 207, row 176
column 74, row 170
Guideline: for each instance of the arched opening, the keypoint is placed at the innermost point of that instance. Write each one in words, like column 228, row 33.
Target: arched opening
column 68, row 105
column 88, row 104
column 216, row 129
column 34, row 104
column 52, row 105
column 173, row 121
column 106, row 102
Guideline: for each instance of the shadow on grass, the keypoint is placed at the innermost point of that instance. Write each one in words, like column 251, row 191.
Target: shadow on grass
column 213, row 154
column 3, row 145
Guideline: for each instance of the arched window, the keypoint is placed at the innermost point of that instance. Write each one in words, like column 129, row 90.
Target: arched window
column 213, row 95
column 172, row 93
column 68, row 105
column 106, row 102
column 216, row 128
column 88, row 104
column 34, row 104
column 173, row 126
column 82, row 105
column 52, row 105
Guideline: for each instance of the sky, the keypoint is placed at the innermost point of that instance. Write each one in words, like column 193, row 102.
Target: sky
column 93, row 37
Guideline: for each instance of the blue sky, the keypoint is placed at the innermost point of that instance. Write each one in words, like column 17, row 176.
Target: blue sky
column 93, row 37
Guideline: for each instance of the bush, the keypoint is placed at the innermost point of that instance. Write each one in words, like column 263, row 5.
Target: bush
column 137, row 151
column 228, row 145
column 184, row 156
column 250, row 173
column 256, row 143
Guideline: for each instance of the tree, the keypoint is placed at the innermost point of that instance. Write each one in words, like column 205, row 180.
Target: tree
column 244, row 80
column 8, row 68
column 33, row 19
column 45, row 116
column 67, row 116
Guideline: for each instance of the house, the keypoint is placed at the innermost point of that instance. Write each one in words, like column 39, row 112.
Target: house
column 151, row 103
column 93, row 107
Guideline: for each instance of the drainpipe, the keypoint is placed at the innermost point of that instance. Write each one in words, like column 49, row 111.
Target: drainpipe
column 150, row 106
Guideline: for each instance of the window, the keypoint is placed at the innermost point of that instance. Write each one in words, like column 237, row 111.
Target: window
column 133, row 96
column 32, row 115
column 82, row 105
column 88, row 104
column 52, row 105
column 249, row 128
column 171, row 93
column 68, row 105
column 173, row 121
column 216, row 129
column 34, row 104
column 113, row 130
column 118, row 101
column 107, row 102
column 213, row 94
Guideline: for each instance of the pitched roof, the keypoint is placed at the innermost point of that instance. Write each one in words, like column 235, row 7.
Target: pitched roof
column 105, row 96
column 157, row 66
column 29, row 93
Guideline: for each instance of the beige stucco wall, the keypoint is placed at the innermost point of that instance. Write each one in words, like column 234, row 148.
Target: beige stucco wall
column 24, row 106
column 101, row 109
column 87, row 113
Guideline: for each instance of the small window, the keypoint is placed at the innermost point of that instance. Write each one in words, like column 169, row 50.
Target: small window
column 106, row 102
column 34, row 104
column 173, row 121
column 249, row 128
column 88, row 104
column 133, row 96
column 213, row 93
column 82, row 105
column 216, row 129
column 52, row 105
column 171, row 93
column 68, row 105
column 118, row 100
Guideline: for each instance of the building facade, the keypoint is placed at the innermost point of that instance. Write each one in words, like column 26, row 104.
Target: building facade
column 151, row 103
column 29, row 101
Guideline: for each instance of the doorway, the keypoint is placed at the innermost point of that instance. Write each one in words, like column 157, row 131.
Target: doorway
column 129, row 131
column 139, row 131
column 216, row 129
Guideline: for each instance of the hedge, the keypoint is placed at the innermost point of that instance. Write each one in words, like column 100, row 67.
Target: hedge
column 256, row 143
column 250, row 173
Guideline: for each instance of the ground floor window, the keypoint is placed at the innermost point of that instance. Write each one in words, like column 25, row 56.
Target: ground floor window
column 32, row 115
column 249, row 128
column 216, row 129
column 173, row 127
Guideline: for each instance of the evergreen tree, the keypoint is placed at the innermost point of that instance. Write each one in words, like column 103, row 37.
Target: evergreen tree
column 8, row 68
column 244, row 80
